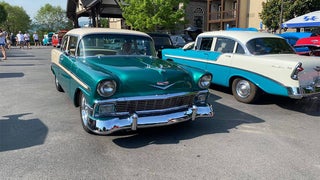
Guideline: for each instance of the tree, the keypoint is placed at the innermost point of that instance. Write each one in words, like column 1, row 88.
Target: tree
column 3, row 14
column 271, row 10
column 270, row 14
column 51, row 18
column 17, row 19
column 301, row 7
column 152, row 15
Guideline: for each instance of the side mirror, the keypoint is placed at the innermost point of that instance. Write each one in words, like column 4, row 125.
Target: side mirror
column 67, row 52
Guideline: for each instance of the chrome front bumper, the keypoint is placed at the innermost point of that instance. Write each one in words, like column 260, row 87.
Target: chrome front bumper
column 134, row 122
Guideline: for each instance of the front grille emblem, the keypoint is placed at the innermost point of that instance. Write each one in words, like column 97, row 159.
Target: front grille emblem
column 164, row 85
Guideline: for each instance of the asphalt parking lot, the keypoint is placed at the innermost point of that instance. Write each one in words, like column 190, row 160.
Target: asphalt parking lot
column 41, row 136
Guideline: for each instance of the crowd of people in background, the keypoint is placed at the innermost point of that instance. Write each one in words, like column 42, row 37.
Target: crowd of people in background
column 21, row 40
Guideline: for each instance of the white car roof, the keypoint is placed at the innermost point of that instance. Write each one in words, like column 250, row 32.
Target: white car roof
column 85, row 31
column 242, row 36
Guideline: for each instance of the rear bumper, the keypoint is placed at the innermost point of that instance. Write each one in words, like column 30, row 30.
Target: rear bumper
column 133, row 122
column 306, row 91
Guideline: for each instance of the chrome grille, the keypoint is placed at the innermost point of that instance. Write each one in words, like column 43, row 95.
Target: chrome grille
column 154, row 104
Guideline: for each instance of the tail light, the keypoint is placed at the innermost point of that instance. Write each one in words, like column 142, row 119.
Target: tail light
column 296, row 71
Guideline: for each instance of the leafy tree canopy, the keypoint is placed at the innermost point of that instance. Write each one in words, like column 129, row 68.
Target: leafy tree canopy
column 271, row 10
column 51, row 18
column 17, row 19
column 152, row 15
column 301, row 7
column 3, row 14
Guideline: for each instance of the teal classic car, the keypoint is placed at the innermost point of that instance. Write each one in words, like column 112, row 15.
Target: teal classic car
column 115, row 78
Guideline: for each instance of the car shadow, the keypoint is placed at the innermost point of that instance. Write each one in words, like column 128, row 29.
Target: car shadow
column 225, row 118
column 307, row 105
column 17, row 133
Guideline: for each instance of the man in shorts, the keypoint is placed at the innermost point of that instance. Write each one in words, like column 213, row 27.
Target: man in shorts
column 20, row 39
column 36, row 39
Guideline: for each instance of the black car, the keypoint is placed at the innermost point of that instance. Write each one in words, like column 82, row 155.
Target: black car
column 161, row 41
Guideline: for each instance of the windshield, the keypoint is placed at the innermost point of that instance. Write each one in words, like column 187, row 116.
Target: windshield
column 115, row 44
column 262, row 46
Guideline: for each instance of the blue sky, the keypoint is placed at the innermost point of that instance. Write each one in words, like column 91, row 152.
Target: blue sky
column 32, row 6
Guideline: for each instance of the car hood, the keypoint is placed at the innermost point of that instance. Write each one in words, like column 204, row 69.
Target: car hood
column 142, row 75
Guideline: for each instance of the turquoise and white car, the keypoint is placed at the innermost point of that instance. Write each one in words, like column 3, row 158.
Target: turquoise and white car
column 251, row 63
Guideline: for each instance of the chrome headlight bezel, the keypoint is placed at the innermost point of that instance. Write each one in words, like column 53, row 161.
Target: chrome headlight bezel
column 107, row 88
column 205, row 81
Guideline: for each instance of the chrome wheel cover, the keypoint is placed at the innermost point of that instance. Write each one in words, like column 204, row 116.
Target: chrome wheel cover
column 84, row 111
column 243, row 89
column 56, row 81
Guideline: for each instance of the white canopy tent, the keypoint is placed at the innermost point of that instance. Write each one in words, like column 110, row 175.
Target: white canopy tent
column 311, row 19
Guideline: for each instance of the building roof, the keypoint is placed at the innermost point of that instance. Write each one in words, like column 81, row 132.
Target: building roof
column 84, row 8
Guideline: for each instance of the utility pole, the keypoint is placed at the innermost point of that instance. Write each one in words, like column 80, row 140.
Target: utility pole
column 281, row 14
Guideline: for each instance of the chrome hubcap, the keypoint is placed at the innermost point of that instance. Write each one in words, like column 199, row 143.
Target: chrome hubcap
column 57, row 82
column 84, row 111
column 243, row 89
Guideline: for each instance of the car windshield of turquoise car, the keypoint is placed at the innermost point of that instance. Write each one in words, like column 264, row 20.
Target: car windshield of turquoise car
column 114, row 44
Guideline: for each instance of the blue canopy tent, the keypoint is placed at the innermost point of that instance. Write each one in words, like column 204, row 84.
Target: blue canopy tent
column 311, row 19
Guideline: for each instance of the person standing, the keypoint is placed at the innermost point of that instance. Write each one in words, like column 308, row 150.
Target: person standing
column 27, row 40
column 20, row 39
column 36, row 39
column 9, row 42
column 13, row 39
column 3, row 44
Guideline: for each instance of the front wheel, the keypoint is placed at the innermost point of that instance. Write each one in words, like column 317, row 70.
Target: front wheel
column 245, row 91
column 84, row 114
column 58, row 86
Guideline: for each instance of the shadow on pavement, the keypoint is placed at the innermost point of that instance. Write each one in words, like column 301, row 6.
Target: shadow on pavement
column 226, row 118
column 16, row 133
column 11, row 75
column 307, row 105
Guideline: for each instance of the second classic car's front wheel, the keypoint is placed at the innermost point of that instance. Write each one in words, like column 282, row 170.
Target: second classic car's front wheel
column 84, row 114
column 58, row 86
column 245, row 91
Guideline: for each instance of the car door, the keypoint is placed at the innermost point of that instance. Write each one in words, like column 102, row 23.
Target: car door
column 67, row 61
column 220, row 67
column 201, row 53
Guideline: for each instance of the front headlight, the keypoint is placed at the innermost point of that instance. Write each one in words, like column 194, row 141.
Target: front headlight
column 107, row 88
column 205, row 81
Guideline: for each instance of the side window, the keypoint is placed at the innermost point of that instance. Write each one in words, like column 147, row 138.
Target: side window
column 72, row 45
column 64, row 43
column 80, row 49
column 240, row 49
column 206, row 44
column 224, row 45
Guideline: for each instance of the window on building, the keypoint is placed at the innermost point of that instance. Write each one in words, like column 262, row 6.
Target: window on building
column 198, row 17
